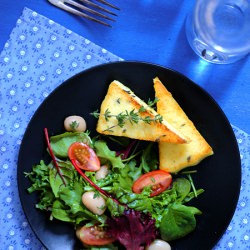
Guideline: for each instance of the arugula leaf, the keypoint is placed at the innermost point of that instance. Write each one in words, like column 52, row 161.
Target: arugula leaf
column 128, row 175
column 39, row 177
column 149, row 159
column 114, row 208
column 46, row 200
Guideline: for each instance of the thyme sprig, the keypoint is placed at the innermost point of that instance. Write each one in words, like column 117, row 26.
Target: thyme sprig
column 152, row 103
column 74, row 125
column 132, row 116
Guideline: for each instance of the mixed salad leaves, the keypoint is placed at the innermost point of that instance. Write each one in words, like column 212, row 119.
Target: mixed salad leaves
column 142, row 203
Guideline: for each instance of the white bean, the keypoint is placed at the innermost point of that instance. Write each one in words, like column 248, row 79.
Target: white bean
column 78, row 233
column 159, row 245
column 75, row 123
column 94, row 202
column 102, row 172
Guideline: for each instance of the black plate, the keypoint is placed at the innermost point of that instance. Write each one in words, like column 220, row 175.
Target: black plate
column 219, row 175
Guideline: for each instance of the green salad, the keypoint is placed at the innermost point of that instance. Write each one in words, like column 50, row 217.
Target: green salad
column 136, row 202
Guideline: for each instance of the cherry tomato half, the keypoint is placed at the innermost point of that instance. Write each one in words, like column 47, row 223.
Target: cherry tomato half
column 94, row 236
column 84, row 156
column 159, row 181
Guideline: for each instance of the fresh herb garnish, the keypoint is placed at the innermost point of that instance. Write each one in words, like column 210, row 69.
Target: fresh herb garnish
column 131, row 116
column 152, row 103
column 74, row 125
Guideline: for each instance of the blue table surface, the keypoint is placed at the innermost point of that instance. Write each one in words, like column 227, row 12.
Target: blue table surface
column 151, row 31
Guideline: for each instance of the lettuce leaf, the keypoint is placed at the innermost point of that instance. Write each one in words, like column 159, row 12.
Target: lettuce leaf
column 106, row 155
column 60, row 143
column 55, row 179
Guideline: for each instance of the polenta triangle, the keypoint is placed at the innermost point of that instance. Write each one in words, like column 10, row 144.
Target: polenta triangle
column 121, row 100
column 173, row 157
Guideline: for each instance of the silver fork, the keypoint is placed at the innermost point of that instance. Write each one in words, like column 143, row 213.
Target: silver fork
column 86, row 7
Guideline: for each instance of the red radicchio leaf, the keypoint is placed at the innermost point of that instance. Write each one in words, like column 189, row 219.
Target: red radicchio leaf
column 134, row 229
column 125, row 152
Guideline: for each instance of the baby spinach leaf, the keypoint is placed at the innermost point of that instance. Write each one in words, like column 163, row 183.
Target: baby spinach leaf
column 106, row 155
column 182, row 187
column 178, row 221
column 60, row 143
column 72, row 197
column 60, row 212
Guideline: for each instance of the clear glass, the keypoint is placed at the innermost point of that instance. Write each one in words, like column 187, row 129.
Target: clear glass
column 219, row 30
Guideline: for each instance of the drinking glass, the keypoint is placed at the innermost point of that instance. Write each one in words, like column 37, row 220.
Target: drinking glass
column 219, row 30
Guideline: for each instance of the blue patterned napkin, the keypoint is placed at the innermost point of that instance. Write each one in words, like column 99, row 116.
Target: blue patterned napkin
column 39, row 56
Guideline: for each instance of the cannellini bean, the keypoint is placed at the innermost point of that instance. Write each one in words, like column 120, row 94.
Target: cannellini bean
column 102, row 172
column 159, row 245
column 78, row 231
column 75, row 123
column 94, row 202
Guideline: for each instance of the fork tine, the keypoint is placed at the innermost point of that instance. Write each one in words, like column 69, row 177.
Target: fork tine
column 79, row 13
column 108, row 4
column 80, row 6
column 98, row 7
column 75, row 8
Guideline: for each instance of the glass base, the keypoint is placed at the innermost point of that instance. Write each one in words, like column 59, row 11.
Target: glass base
column 202, row 50
column 206, row 52
column 213, row 56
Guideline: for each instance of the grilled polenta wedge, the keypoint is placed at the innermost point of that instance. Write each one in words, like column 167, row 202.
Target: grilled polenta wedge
column 173, row 157
column 121, row 102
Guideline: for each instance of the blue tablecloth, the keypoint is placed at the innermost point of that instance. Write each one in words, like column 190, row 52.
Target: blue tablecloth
column 39, row 56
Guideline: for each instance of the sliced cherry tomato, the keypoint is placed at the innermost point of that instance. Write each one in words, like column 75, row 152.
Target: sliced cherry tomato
column 94, row 236
column 84, row 156
column 159, row 181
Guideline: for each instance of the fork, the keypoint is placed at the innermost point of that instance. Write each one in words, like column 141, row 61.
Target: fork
column 87, row 6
